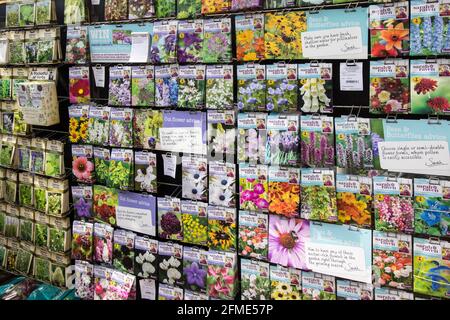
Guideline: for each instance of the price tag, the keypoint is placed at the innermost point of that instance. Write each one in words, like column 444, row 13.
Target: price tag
column 99, row 76
column 351, row 76
column 170, row 165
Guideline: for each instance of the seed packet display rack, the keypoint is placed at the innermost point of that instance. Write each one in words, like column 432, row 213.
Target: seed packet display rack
column 172, row 187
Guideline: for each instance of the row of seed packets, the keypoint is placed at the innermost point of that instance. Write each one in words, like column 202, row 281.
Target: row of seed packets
column 36, row 155
column 46, row 195
column 422, row 90
column 203, row 273
column 29, row 13
column 33, row 243
column 39, row 46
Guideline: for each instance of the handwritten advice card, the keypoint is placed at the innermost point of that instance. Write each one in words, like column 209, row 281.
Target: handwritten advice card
column 336, row 34
column 340, row 251
column 339, row 41
column 414, row 146
column 137, row 212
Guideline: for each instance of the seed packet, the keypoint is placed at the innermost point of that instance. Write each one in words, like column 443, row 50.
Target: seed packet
column 253, row 187
column 98, row 127
column 277, row 4
column 140, row 9
column 146, row 124
column 188, row 8
column 389, row 86
column 75, row 12
column 310, row 3
column 12, row 14
column 11, row 186
column 317, row 141
column 82, row 200
column 318, row 195
column 430, row 81
column 123, row 251
column 23, row 261
column 191, row 87
column 7, row 124
column 146, row 252
column 285, row 283
column 215, row 6
column 431, row 207
column 190, row 41
column 116, row 10
column 40, row 193
column 195, row 222
column 251, row 94
column 6, row 75
column 103, row 243
column 119, row 86
column 142, row 85
column 222, row 275
column 389, row 29
column 45, row 12
column 54, row 158
column 281, row 94
column 121, row 169
column 166, row 87
column 105, row 203
column 169, row 292
column 111, row 284
column 284, row 191
column 352, row 290
column 84, row 280
column 318, row 286
column 393, row 204
column 253, row 235
column 222, row 231
column 26, row 229
column 17, row 47
column 12, row 227
column 282, row 35
column 48, row 47
column 19, row 76
column 169, row 218
column 79, row 84
column 58, row 239
column 195, row 269
column 77, row 45
column 165, row 9
column 221, row 132
column 255, row 282
column 392, row 260
column 37, row 155
column 194, row 178
column 353, row 143
column 431, row 263
column 78, row 123
column 222, row 179
column 83, row 163
column 219, row 87
column 8, row 150
column 170, row 257
column 316, row 87
column 82, row 243
column 237, row 5
column 250, row 44
column 41, row 233
column 101, row 164
column 428, row 22
column 25, row 189
column 26, row 13
column 145, row 171
column 163, row 48
column 282, row 140
column 354, row 200
column 121, row 127
column 252, row 137
column 392, row 294
column 217, row 40
column 41, row 269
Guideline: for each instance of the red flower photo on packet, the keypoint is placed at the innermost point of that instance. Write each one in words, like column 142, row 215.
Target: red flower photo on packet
column 79, row 85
